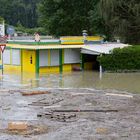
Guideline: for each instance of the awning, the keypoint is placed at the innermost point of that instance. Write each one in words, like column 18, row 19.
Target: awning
column 97, row 49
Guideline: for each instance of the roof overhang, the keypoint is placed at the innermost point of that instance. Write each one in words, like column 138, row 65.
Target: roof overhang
column 86, row 51
column 43, row 47
column 98, row 49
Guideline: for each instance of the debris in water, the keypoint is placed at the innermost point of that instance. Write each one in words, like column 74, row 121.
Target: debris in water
column 34, row 93
column 30, row 130
column 63, row 117
column 121, row 95
column 104, row 111
column 44, row 103
column 101, row 130
column 17, row 126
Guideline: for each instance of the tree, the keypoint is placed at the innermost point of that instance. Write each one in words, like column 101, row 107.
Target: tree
column 23, row 11
column 67, row 17
column 122, row 18
column 1, row 19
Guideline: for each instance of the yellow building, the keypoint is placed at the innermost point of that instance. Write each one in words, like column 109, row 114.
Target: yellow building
column 44, row 57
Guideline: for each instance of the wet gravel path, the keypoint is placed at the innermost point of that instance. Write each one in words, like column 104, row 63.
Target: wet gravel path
column 121, row 125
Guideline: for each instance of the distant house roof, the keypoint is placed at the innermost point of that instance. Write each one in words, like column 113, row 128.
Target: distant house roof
column 75, row 40
column 104, row 48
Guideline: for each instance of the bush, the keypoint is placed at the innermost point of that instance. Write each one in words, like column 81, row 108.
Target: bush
column 121, row 59
column 30, row 31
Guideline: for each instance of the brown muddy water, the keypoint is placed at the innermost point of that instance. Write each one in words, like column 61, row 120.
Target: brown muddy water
column 88, row 79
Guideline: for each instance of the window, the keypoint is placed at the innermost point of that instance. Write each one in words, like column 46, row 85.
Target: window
column 16, row 60
column 71, row 56
column 6, row 56
column 54, row 57
column 43, row 58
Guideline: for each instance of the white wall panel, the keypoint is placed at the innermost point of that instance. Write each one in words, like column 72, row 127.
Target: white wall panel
column 16, row 60
column 6, row 56
column 54, row 57
column 43, row 58
column 71, row 56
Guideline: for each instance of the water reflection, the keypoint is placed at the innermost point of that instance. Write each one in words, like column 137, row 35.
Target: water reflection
column 88, row 79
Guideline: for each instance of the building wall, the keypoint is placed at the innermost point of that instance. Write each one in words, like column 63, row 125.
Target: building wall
column 66, row 68
column 56, row 69
column 76, row 40
column 29, row 61
column 48, row 70
column 11, row 67
column 88, row 65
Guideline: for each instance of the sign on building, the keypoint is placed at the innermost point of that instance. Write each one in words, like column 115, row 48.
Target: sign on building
column 10, row 30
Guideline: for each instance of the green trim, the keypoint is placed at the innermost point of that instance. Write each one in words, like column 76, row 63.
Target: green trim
column 21, row 57
column 7, row 47
column 15, row 48
column 60, row 60
column 0, row 55
column 63, row 51
column 10, row 56
column 34, row 43
column 37, row 62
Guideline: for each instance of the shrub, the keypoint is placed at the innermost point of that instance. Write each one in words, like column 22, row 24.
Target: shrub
column 127, row 58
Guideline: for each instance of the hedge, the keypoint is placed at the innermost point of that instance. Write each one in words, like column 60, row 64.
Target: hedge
column 127, row 58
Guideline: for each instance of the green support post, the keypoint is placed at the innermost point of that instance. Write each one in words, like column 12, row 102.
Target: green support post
column 60, row 60
column 21, row 59
column 37, row 61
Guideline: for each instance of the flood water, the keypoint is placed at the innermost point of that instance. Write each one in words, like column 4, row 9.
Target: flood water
column 88, row 79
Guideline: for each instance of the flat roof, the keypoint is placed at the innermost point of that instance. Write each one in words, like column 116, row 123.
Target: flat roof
column 104, row 48
column 41, row 47
column 94, row 49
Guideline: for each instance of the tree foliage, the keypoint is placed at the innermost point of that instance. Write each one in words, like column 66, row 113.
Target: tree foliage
column 112, row 18
column 1, row 19
column 23, row 11
column 67, row 17
column 122, row 18
column 122, row 59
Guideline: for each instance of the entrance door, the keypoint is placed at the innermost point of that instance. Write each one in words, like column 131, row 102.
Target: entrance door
column 28, row 61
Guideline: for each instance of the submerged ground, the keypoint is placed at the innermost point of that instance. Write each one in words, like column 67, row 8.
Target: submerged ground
column 81, row 106
column 93, row 115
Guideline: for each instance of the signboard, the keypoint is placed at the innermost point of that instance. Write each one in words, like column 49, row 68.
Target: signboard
column 2, row 47
column 3, row 41
column 2, row 33
column 10, row 30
